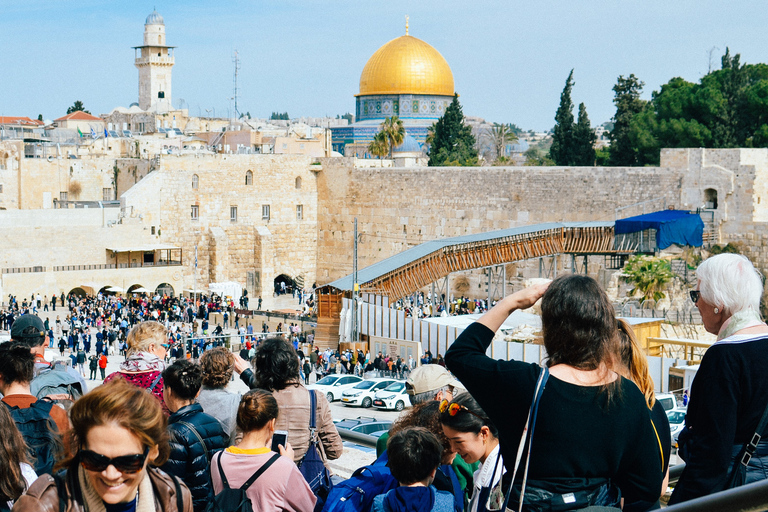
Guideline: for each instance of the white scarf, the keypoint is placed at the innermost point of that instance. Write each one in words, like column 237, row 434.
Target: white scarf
column 738, row 321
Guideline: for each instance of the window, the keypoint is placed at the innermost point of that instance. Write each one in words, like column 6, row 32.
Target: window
column 195, row 181
column 298, row 182
column 1, row 188
column 195, row 212
column 161, row 94
column 153, row 230
column 249, row 178
column 265, row 212
column 233, row 213
column 106, row 194
column 62, row 196
column 710, row 199
column 299, row 211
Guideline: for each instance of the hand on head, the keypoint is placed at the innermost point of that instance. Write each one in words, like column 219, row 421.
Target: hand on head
column 527, row 297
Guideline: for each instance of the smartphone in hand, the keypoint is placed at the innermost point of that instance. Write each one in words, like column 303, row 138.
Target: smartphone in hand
column 280, row 437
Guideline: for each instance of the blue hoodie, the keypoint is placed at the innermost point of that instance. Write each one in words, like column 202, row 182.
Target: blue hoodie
column 413, row 499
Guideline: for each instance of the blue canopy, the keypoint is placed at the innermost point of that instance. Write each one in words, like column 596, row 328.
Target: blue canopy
column 672, row 227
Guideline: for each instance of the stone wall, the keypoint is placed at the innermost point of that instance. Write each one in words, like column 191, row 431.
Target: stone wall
column 229, row 250
column 398, row 208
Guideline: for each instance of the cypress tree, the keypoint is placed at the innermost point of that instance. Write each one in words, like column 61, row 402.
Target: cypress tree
column 628, row 104
column 453, row 142
column 584, row 139
column 562, row 150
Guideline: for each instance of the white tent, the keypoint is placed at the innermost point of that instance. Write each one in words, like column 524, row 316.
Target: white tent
column 227, row 289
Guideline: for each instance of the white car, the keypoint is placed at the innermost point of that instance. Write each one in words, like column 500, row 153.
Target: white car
column 334, row 385
column 667, row 400
column 676, row 419
column 362, row 393
column 393, row 396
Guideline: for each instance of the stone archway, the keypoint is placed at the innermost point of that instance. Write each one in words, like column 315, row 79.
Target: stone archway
column 283, row 284
column 77, row 291
column 164, row 289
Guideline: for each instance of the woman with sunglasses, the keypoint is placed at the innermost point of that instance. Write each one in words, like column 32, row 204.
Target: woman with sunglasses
column 476, row 439
column 593, row 430
column 730, row 391
column 120, row 432
column 145, row 358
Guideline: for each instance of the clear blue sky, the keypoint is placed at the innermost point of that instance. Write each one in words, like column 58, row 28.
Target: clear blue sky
column 509, row 58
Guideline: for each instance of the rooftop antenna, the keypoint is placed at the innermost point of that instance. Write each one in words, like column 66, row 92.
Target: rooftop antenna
column 406, row 24
column 236, row 60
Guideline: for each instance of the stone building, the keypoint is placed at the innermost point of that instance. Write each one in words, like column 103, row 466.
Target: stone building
column 154, row 59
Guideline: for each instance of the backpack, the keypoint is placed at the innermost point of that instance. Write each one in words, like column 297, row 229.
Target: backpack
column 235, row 500
column 57, row 385
column 356, row 494
column 311, row 466
column 39, row 432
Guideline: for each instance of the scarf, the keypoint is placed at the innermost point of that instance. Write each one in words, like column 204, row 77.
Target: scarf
column 142, row 362
column 738, row 321
column 410, row 499
column 94, row 503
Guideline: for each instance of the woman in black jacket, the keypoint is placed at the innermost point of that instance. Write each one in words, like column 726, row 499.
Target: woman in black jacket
column 195, row 436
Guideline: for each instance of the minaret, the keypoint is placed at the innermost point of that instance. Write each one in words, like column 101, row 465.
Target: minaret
column 154, row 60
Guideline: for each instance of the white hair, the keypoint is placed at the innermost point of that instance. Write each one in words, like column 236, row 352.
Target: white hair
column 730, row 282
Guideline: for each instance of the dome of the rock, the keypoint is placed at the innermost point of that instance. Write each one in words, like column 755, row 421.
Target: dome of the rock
column 406, row 65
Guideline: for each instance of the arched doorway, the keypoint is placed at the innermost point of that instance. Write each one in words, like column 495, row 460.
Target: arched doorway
column 164, row 289
column 78, row 292
column 283, row 284
column 135, row 288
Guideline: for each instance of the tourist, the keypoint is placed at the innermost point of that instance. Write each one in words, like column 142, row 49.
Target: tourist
column 593, row 429
column 281, row 485
column 16, row 474
column 145, row 356
column 195, row 435
column 218, row 367
column 730, row 391
column 633, row 365
column 475, row 439
column 277, row 370
column 414, row 456
column 120, row 435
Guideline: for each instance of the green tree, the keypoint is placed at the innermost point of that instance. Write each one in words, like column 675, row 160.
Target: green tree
column 584, row 139
column 40, row 117
column 649, row 276
column 534, row 157
column 393, row 131
column 628, row 104
column 379, row 147
column 78, row 106
column 453, row 143
column 562, row 150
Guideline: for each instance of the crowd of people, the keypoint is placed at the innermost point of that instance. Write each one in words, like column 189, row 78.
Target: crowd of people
column 583, row 430
column 421, row 305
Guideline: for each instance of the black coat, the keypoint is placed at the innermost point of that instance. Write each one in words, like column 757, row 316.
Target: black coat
column 188, row 459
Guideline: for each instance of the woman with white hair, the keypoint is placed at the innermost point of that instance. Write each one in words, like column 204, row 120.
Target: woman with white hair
column 730, row 391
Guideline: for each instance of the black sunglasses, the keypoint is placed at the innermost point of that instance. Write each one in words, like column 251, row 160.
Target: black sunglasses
column 93, row 461
column 695, row 295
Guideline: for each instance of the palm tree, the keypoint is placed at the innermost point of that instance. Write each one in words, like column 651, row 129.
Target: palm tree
column 394, row 131
column 501, row 134
column 380, row 146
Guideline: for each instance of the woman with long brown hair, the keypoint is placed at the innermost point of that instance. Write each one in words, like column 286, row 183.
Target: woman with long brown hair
column 118, row 433
column 593, row 430
column 16, row 474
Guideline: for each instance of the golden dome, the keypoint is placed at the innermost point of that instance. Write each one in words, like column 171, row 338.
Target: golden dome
column 406, row 65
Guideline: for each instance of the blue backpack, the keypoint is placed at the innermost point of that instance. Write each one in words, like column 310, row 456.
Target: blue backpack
column 356, row 494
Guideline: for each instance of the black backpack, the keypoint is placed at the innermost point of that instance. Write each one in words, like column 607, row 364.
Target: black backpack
column 39, row 432
column 235, row 500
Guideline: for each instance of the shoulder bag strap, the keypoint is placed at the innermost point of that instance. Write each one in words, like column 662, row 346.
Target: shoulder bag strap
column 197, row 435
column 527, row 435
column 154, row 382
column 751, row 445
column 258, row 473
column 217, row 462
column 179, row 496
column 312, row 407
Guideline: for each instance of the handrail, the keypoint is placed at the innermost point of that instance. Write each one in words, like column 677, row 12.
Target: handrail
column 747, row 498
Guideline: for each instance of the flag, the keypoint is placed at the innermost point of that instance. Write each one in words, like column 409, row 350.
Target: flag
column 105, row 133
column 93, row 133
column 79, row 132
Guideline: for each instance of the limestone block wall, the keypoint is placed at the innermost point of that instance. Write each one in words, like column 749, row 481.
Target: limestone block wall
column 229, row 249
column 398, row 208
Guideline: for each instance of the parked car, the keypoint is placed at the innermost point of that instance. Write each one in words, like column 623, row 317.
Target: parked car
column 362, row 393
column 393, row 396
column 364, row 426
column 668, row 401
column 676, row 419
column 334, row 385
